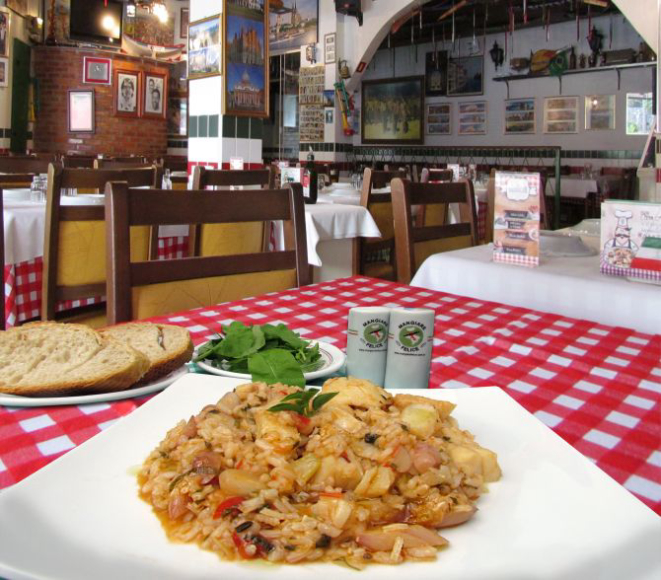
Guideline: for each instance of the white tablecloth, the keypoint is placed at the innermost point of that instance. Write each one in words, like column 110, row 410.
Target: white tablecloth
column 574, row 187
column 567, row 286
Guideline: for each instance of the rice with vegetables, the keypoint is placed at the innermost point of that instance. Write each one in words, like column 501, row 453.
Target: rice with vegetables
column 369, row 477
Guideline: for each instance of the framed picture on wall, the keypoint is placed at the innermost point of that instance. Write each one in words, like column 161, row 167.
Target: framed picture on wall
column 599, row 112
column 393, row 111
column 466, row 76
column 126, row 93
column 561, row 115
column 80, row 111
column 4, row 32
column 473, row 118
column 184, row 22
column 519, row 116
column 204, row 47
column 329, row 48
column 640, row 113
column 291, row 25
column 439, row 119
column 246, row 84
column 97, row 70
column 436, row 73
column 154, row 94
column 4, row 73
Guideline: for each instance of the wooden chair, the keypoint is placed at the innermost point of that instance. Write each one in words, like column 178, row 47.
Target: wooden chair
column 144, row 289
column 126, row 163
column 432, row 175
column 23, row 165
column 217, row 239
column 79, row 161
column 16, row 180
column 415, row 243
column 74, row 241
column 376, row 258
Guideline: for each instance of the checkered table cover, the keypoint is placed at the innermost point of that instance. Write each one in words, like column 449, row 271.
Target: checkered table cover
column 598, row 387
column 23, row 284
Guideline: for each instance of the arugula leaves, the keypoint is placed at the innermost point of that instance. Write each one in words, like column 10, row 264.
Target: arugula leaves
column 299, row 402
column 272, row 354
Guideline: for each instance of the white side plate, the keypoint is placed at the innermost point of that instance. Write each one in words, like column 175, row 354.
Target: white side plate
column 553, row 514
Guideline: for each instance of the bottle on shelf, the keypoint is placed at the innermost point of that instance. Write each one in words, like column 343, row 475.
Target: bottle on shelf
column 572, row 59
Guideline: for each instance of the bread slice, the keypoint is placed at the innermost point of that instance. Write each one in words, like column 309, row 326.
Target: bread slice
column 167, row 347
column 53, row 359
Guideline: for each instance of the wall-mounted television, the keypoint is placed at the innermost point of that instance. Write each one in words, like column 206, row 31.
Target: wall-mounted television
column 92, row 21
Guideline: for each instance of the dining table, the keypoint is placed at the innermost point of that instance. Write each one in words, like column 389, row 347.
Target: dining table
column 598, row 387
column 590, row 190
column 24, row 227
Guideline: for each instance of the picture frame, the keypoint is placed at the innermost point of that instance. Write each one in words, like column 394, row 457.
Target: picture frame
column 282, row 36
column 329, row 116
column 600, row 112
column 560, row 115
column 5, row 22
column 246, row 80
column 466, row 76
column 80, row 111
column 154, row 95
column 184, row 21
column 4, row 73
column 439, row 119
column 472, row 118
column 126, row 92
column 519, row 116
column 382, row 121
column 205, row 47
column 640, row 113
column 436, row 74
column 329, row 48
column 97, row 71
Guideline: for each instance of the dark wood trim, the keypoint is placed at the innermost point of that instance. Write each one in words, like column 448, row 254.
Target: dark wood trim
column 80, row 292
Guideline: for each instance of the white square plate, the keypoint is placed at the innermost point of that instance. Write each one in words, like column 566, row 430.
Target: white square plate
column 553, row 515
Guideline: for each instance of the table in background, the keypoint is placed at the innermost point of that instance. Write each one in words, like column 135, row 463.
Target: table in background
column 571, row 286
column 596, row 386
column 24, row 223
column 589, row 192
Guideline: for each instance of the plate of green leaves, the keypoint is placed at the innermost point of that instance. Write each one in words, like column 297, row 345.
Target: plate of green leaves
column 269, row 353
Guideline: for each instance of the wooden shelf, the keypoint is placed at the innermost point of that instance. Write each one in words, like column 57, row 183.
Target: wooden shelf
column 618, row 68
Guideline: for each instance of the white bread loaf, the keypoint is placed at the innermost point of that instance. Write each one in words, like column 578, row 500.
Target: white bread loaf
column 52, row 359
column 167, row 347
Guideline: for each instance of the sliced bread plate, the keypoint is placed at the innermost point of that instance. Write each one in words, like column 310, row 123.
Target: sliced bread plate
column 148, row 389
column 332, row 360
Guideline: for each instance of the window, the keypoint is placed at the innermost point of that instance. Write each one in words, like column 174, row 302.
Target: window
column 640, row 113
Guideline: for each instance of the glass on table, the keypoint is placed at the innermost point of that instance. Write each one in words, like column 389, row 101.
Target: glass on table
column 38, row 188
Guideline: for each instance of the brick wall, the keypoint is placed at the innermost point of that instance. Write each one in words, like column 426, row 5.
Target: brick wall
column 59, row 69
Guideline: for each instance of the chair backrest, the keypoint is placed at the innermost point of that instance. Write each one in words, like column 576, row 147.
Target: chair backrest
column 174, row 162
column 440, row 175
column 414, row 243
column 74, row 241
column 126, row 163
column 79, row 161
column 376, row 258
column 143, row 289
column 16, row 180
column 224, row 239
column 23, row 165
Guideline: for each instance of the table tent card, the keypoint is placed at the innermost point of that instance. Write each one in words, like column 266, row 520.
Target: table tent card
column 631, row 239
column 290, row 175
column 516, row 218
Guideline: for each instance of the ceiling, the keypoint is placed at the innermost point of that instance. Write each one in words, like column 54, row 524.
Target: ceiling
column 490, row 16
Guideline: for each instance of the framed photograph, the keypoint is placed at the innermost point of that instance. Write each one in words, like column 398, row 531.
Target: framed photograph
column 80, row 111
column 599, row 112
column 473, row 118
column 97, row 71
column 204, row 48
column 329, row 48
column 519, row 116
column 640, row 113
column 4, row 73
column 246, row 82
column 291, row 24
column 154, row 95
column 439, row 119
column 436, row 73
column 560, row 115
column 466, row 76
column 126, row 93
column 329, row 116
column 4, row 32
column 183, row 22
column 392, row 111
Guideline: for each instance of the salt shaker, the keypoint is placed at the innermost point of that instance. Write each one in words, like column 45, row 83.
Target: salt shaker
column 410, row 341
column 367, row 343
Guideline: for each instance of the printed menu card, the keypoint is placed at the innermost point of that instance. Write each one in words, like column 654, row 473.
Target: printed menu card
column 516, row 218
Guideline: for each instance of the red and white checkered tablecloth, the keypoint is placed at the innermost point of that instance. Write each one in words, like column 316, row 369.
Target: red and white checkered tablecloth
column 23, row 284
column 598, row 387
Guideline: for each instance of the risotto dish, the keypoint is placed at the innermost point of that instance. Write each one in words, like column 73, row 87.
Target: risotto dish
column 361, row 476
